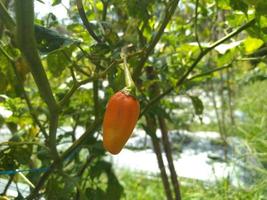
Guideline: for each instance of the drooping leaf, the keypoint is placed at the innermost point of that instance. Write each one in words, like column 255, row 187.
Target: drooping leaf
column 198, row 105
column 114, row 190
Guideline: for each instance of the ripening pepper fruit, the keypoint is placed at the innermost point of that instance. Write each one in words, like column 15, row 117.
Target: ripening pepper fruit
column 120, row 118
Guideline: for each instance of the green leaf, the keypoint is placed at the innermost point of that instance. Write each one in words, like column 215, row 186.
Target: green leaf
column 261, row 8
column 116, row 79
column 138, row 8
column 224, row 4
column 253, row 2
column 198, row 105
column 239, row 5
column 95, row 194
column 7, row 162
column 114, row 190
column 22, row 154
column 56, row 2
column 49, row 40
column 226, row 58
column 252, row 44
column 100, row 167
column 98, row 51
column 57, row 62
column 61, row 187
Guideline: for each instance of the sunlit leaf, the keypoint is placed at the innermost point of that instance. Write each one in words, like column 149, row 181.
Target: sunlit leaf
column 252, row 44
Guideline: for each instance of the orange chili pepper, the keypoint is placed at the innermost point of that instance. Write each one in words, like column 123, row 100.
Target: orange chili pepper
column 120, row 118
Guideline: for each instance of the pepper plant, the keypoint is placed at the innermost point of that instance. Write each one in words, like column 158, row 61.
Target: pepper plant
column 57, row 76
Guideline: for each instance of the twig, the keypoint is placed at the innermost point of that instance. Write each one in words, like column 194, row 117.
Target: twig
column 89, row 160
column 83, row 51
column 74, row 79
column 155, row 100
column 77, row 67
column 105, row 8
column 86, row 164
column 198, row 59
column 6, row 18
column 9, row 180
column 85, row 21
column 251, row 58
column 169, row 13
column 209, row 72
column 10, row 58
column 96, row 98
column 196, row 29
column 76, row 85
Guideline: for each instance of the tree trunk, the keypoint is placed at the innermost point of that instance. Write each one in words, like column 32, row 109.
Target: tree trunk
column 154, row 90
column 168, row 151
column 151, row 130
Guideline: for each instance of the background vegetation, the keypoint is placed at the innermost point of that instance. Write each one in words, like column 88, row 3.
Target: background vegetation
column 56, row 75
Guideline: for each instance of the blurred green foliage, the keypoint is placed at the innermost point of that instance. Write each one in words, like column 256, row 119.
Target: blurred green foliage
column 70, row 55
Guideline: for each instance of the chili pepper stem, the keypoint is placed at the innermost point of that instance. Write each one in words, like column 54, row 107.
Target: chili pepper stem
column 130, row 86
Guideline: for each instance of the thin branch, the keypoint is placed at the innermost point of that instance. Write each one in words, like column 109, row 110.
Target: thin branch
column 85, row 166
column 76, row 66
column 9, row 180
column 155, row 100
column 196, row 25
column 105, row 8
column 209, row 72
column 85, row 21
column 66, row 98
column 96, row 98
column 6, row 18
column 83, row 51
column 10, row 58
column 89, row 161
column 194, row 64
column 76, row 85
column 169, row 13
column 251, row 58
column 232, row 34
column 74, row 79
column 215, row 44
